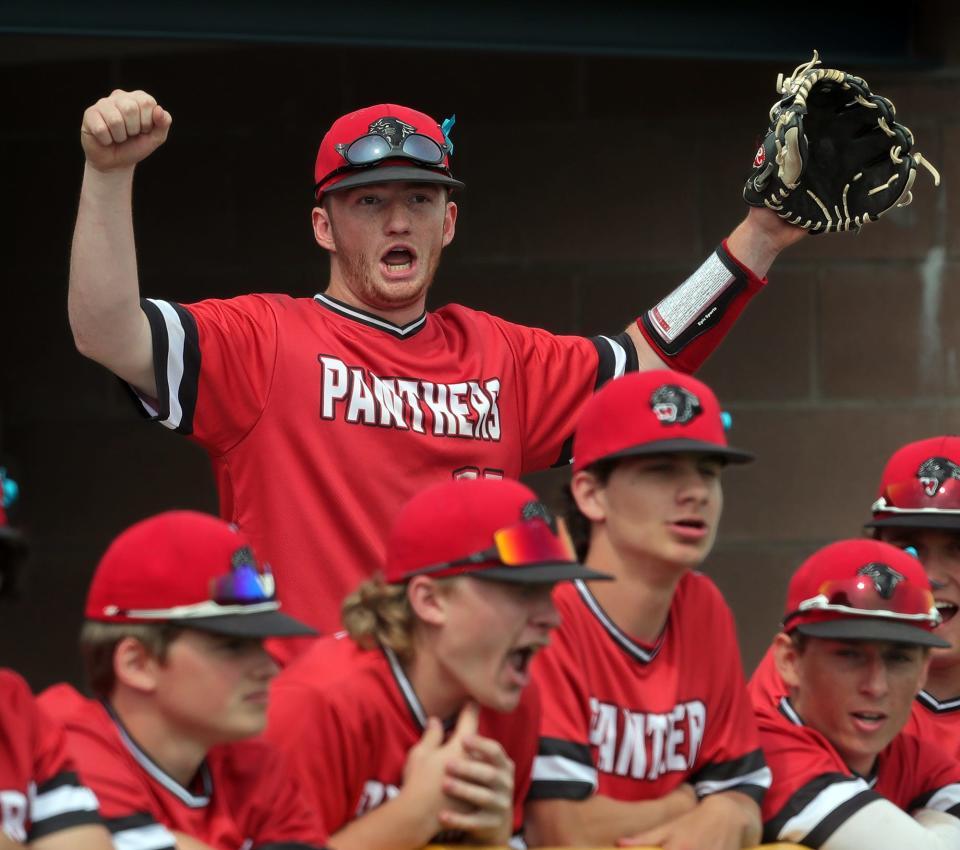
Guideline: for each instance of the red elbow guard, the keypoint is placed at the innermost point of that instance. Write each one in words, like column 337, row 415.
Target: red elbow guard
column 691, row 321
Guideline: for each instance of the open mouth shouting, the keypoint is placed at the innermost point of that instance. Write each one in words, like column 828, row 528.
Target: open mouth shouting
column 398, row 262
column 947, row 609
column 518, row 663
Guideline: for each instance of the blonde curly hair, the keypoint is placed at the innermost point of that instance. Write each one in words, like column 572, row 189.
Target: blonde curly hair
column 377, row 613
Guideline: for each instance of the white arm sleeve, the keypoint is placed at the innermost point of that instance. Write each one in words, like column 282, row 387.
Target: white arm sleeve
column 880, row 825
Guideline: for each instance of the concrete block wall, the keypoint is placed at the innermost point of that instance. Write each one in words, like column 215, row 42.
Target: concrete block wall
column 594, row 186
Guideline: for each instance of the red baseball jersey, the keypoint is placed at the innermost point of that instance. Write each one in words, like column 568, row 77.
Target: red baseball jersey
column 346, row 717
column 322, row 420
column 937, row 721
column 40, row 793
column 632, row 721
column 814, row 791
column 244, row 796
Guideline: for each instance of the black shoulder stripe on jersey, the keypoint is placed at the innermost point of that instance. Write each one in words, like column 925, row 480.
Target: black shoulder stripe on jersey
column 616, row 355
column 134, row 821
column 66, row 820
column 829, row 825
column 287, row 845
column 191, row 368
column 559, row 789
column 67, row 777
column 579, row 753
column 804, row 796
column 189, row 357
column 723, row 771
column 948, row 793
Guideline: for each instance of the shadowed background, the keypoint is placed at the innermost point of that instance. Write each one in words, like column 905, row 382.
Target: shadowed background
column 604, row 158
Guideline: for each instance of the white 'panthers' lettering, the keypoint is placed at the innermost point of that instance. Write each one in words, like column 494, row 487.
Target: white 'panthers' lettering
column 13, row 811
column 646, row 745
column 464, row 409
column 375, row 794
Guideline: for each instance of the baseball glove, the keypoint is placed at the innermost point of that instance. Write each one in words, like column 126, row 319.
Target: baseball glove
column 834, row 156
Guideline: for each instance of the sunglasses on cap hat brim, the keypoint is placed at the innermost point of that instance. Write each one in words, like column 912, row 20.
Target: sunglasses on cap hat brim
column 530, row 552
column 918, row 504
column 854, row 608
column 242, row 603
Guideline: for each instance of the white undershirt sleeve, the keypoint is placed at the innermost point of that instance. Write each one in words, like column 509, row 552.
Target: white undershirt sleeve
column 880, row 825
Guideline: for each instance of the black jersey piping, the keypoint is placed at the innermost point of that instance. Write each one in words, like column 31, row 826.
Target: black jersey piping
column 644, row 656
column 362, row 317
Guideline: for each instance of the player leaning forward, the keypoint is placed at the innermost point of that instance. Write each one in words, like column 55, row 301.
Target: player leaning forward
column 173, row 651
column 286, row 394
column 853, row 653
column 419, row 721
column 647, row 734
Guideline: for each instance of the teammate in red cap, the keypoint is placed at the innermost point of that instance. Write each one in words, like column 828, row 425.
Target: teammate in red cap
column 43, row 803
column 322, row 415
column 854, row 650
column 647, row 734
column 419, row 721
column 918, row 505
column 173, row 649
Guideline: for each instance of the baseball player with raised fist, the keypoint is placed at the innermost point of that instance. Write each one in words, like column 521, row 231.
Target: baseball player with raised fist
column 323, row 415
column 858, row 628
column 647, row 736
column 419, row 723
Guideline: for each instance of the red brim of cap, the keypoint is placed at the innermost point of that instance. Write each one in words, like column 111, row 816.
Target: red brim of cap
column 916, row 520
column 871, row 628
column 538, row 573
column 264, row 624
column 391, row 174
column 728, row 453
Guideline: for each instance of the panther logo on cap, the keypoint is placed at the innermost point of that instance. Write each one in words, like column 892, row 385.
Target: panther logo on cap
column 885, row 578
column 934, row 472
column 674, row 405
column 243, row 557
column 393, row 130
column 538, row 510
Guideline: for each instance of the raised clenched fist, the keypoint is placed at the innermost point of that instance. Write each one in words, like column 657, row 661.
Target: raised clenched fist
column 120, row 130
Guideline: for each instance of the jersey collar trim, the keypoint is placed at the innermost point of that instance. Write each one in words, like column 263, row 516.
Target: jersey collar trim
column 788, row 711
column 158, row 773
column 369, row 319
column 406, row 688
column 627, row 644
column 930, row 702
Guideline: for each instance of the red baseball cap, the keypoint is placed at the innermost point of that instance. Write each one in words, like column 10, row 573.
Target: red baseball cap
column 395, row 124
column 487, row 528
column 190, row 569
column 863, row 590
column 654, row 412
column 920, row 486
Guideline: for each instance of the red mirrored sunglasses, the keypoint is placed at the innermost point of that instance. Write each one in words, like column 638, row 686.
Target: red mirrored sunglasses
column 860, row 596
column 918, row 495
column 528, row 543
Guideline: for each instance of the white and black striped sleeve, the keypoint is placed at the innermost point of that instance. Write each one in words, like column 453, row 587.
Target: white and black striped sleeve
column 818, row 809
column 562, row 770
column 61, row 803
column 176, row 365
column 945, row 799
column 616, row 355
column 748, row 774
column 139, row 831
